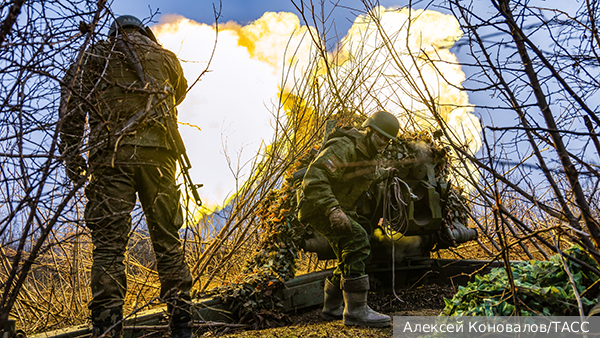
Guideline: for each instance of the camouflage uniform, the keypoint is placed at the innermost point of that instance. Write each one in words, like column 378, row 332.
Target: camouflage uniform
column 108, row 93
column 339, row 176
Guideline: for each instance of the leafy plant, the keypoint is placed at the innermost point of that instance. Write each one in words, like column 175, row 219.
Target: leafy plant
column 542, row 288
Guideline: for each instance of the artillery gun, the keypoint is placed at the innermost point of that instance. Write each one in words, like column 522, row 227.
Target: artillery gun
column 411, row 213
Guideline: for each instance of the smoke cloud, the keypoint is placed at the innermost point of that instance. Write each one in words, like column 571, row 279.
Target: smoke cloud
column 232, row 103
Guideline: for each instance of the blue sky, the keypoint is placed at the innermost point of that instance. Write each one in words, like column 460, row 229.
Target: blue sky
column 202, row 11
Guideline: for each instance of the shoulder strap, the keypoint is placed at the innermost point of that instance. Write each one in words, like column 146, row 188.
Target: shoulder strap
column 133, row 61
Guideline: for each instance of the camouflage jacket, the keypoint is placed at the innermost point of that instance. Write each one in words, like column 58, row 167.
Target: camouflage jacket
column 108, row 94
column 339, row 175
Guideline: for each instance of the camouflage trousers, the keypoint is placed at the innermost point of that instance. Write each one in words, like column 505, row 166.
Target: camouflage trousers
column 351, row 248
column 111, row 197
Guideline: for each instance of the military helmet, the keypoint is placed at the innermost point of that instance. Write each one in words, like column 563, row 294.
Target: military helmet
column 125, row 21
column 385, row 123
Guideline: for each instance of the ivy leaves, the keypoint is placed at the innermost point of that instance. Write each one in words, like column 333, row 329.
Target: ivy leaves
column 542, row 288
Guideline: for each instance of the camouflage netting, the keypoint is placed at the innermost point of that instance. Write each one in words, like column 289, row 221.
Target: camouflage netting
column 411, row 149
column 251, row 296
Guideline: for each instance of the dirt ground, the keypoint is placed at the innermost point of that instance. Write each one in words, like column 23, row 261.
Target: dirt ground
column 424, row 301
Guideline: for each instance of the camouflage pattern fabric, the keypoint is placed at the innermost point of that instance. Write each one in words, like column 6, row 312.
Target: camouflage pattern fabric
column 111, row 198
column 339, row 176
column 351, row 249
column 108, row 322
column 106, row 94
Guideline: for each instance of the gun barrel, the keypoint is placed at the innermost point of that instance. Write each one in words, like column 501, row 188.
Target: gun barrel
column 191, row 186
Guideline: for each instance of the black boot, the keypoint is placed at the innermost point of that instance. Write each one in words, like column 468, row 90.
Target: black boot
column 107, row 322
column 180, row 318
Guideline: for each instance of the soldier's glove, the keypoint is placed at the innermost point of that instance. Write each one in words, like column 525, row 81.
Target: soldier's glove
column 76, row 168
column 339, row 221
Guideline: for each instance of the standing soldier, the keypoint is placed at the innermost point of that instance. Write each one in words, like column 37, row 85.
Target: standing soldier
column 332, row 185
column 128, row 152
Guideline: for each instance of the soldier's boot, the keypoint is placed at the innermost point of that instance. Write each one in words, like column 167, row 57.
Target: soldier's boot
column 180, row 313
column 107, row 323
column 333, row 307
column 357, row 312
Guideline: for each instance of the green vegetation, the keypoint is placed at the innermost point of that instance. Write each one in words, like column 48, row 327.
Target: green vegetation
column 541, row 288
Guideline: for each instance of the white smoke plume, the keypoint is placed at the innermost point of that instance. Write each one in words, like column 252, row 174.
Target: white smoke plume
column 232, row 104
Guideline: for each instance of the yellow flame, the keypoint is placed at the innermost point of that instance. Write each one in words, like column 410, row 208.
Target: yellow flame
column 277, row 39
